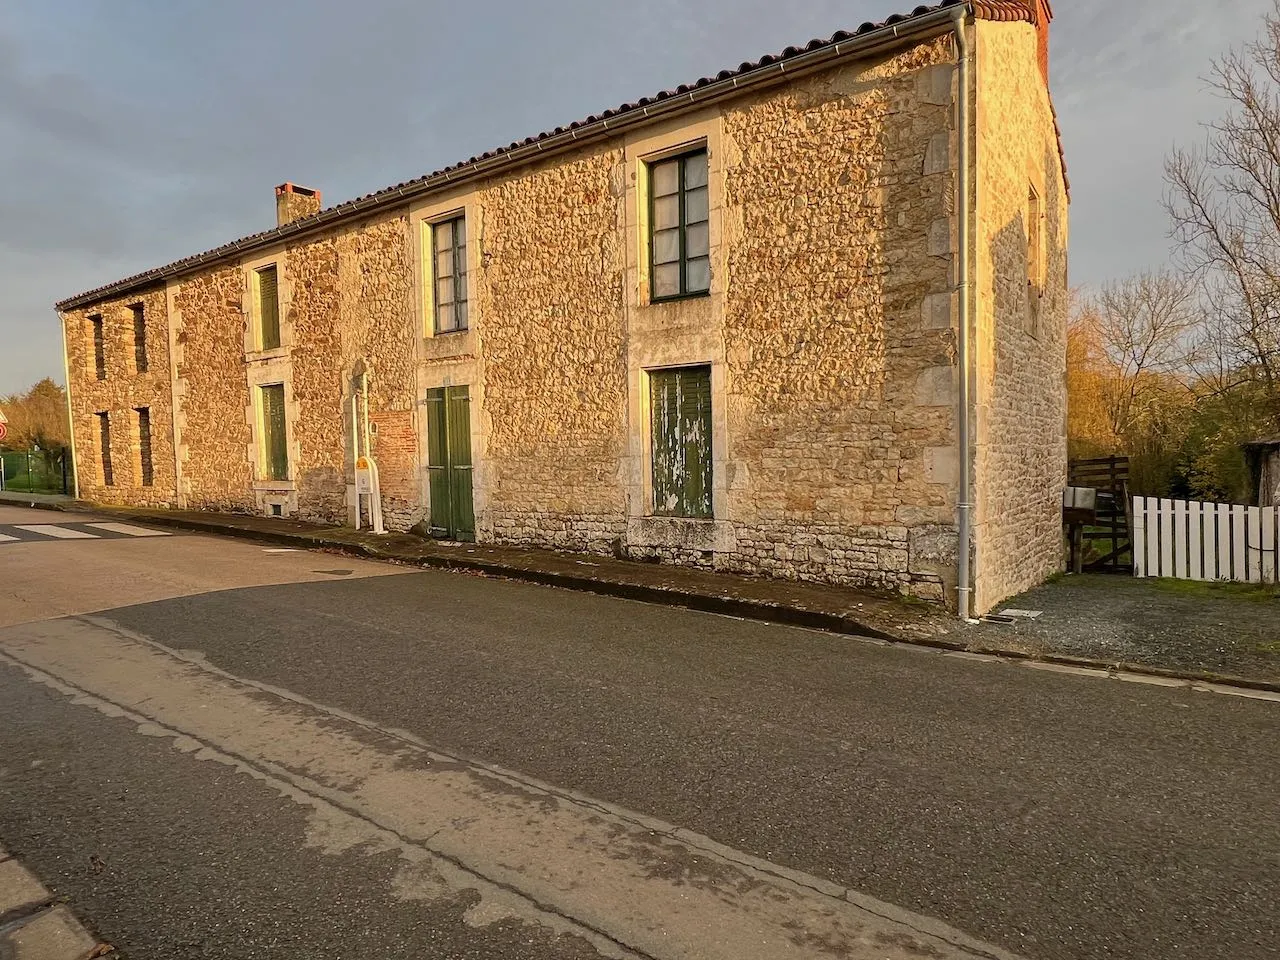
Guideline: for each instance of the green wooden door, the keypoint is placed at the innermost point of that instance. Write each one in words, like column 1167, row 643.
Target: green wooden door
column 680, row 400
column 449, row 463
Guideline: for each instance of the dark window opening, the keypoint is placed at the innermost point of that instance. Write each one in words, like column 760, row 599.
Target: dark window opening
column 679, row 227
column 680, row 421
column 449, row 260
column 104, row 440
column 139, row 337
column 99, row 348
column 144, row 445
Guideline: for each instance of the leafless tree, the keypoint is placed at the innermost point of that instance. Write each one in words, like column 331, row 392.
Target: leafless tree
column 1224, row 198
column 1146, row 327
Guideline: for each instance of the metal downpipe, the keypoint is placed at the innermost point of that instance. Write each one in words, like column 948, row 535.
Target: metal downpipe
column 964, row 581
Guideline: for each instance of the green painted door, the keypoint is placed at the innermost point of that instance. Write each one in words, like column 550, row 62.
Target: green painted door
column 449, row 463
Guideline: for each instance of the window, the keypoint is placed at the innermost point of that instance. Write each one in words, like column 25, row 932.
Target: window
column 449, row 267
column 1035, row 260
column 99, row 347
column 680, row 402
column 104, row 440
column 144, row 445
column 268, row 295
column 275, row 446
column 139, row 338
column 679, row 225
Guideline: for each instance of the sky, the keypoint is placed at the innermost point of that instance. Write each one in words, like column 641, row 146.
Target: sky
column 134, row 133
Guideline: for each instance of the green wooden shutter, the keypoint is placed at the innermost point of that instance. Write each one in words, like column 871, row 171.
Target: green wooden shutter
column 438, row 462
column 458, row 400
column 268, row 308
column 275, row 436
column 449, row 463
column 680, row 401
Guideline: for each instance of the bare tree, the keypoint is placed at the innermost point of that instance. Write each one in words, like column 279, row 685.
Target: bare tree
column 1146, row 326
column 1224, row 198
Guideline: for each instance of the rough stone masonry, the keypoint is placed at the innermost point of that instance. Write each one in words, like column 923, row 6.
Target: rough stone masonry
column 827, row 337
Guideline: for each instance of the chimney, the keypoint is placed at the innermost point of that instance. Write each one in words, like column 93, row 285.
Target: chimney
column 294, row 202
column 1043, row 12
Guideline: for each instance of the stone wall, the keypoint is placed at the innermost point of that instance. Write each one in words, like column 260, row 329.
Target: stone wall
column 838, row 330
column 124, row 390
column 378, row 329
column 549, row 316
column 214, row 434
column 1020, row 449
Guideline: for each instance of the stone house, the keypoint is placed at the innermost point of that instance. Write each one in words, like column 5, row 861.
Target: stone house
column 804, row 318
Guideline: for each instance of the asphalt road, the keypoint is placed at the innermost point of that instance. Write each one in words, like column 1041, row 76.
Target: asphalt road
column 1051, row 815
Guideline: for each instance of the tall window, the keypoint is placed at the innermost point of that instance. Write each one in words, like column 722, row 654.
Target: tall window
column 275, row 444
column 679, row 227
column 146, row 473
column 268, row 295
column 139, row 338
column 1035, row 242
column 1035, row 260
column 99, row 347
column 104, row 441
column 680, row 425
column 449, row 267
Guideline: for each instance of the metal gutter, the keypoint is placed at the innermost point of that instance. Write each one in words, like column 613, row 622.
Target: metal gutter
column 964, row 578
column 71, row 420
column 889, row 36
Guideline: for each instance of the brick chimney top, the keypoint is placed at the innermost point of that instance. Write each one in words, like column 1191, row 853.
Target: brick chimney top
column 294, row 202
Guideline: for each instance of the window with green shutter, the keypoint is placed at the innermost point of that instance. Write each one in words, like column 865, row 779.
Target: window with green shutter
column 268, row 308
column 275, row 442
column 680, row 425
column 679, row 227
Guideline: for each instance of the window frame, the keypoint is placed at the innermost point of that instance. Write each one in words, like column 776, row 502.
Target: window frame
column 460, row 268
column 682, row 261
column 258, row 301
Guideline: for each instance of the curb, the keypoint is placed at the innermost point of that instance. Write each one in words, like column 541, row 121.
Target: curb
column 703, row 603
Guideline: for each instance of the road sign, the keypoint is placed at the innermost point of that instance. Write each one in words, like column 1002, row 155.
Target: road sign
column 4, row 430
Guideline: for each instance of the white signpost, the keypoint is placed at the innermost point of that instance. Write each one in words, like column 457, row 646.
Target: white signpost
column 367, row 486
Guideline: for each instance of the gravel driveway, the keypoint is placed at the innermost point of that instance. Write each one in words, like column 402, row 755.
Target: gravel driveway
column 1222, row 628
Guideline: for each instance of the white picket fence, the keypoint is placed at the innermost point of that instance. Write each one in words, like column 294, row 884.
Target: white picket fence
column 1189, row 540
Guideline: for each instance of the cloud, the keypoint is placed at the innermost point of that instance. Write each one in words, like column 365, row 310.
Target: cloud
column 134, row 134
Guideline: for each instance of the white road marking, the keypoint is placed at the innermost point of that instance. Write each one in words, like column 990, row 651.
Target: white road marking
column 60, row 533
column 128, row 530
column 4, row 537
column 278, row 550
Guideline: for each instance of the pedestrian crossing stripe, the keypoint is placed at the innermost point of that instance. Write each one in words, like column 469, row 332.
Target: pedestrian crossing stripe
column 127, row 529
column 52, row 530
column 45, row 532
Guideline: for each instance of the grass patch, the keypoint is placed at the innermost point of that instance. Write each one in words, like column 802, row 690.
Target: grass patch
column 1220, row 589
